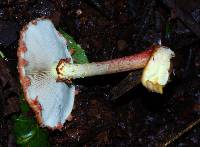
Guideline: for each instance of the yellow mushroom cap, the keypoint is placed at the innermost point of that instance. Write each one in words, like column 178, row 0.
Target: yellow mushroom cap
column 156, row 73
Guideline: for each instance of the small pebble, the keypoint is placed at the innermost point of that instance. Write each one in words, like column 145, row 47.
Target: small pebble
column 79, row 12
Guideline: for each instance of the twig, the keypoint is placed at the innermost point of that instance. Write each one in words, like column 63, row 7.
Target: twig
column 129, row 82
column 181, row 133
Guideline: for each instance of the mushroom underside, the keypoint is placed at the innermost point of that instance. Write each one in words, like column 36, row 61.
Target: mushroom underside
column 40, row 47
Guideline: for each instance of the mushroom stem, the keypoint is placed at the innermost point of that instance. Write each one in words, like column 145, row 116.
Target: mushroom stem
column 67, row 71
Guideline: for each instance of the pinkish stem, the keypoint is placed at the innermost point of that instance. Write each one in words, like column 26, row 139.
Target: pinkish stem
column 67, row 71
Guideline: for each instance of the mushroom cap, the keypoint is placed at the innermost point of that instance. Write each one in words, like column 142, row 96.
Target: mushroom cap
column 156, row 73
column 41, row 47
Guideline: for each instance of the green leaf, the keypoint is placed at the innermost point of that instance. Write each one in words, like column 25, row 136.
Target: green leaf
column 79, row 55
column 40, row 139
column 23, row 104
column 26, row 129
column 2, row 56
column 28, row 133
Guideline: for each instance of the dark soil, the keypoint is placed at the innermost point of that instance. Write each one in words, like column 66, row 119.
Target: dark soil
column 9, row 102
column 109, row 29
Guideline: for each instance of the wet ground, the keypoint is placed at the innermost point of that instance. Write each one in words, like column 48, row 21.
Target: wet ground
column 107, row 30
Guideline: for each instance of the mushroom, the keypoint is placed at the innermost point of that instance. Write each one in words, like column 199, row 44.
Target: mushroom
column 45, row 65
